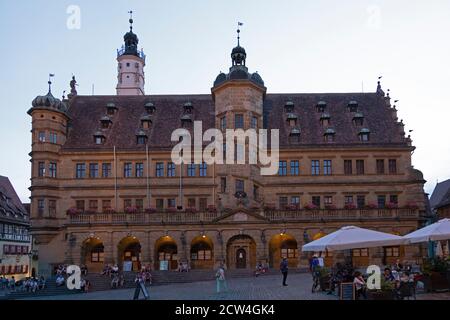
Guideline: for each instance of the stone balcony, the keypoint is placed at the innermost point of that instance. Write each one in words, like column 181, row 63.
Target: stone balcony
column 178, row 218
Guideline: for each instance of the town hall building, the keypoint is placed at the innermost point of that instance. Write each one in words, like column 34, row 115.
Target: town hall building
column 104, row 189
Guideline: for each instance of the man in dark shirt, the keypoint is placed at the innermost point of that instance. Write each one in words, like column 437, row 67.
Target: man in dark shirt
column 284, row 270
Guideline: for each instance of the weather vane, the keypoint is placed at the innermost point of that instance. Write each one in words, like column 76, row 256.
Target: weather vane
column 239, row 31
column 50, row 76
column 131, row 19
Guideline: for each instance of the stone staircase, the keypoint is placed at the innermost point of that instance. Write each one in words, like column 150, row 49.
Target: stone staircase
column 102, row 283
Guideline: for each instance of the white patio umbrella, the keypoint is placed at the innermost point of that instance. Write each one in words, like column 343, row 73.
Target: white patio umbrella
column 434, row 232
column 352, row 237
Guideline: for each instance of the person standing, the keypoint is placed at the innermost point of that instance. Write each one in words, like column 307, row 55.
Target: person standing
column 220, row 279
column 284, row 270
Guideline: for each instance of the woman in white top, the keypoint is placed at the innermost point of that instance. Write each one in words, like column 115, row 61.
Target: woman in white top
column 360, row 285
column 220, row 279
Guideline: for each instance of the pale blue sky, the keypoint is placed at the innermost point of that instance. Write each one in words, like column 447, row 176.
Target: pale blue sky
column 296, row 46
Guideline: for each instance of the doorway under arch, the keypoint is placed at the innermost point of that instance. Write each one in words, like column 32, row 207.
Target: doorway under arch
column 283, row 245
column 129, row 249
column 241, row 252
column 166, row 251
column 92, row 254
column 202, row 253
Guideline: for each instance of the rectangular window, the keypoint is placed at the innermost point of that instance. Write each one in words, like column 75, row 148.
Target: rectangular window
column 106, row 205
column 283, row 202
column 381, row 199
column 127, row 203
column 360, row 252
column 203, row 169
column 223, row 123
column 255, row 192
column 127, row 169
column 316, row 201
column 315, row 167
column 223, row 184
column 171, row 203
column 359, row 167
column 392, row 166
column 203, row 204
column 348, row 167
column 191, row 170
column 160, row 169
column 80, row 171
column 348, row 199
column 93, row 205
column 295, row 200
column 380, row 166
column 239, row 121
column 361, row 201
column 140, row 205
column 327, row 167
column 224, row 151
column 240, row 186
column 393, row 198
column 139, row 170
column 93, row 170
column 106, row 170
column 52, row 208
column 254, row 123
column 328, row 200
column 53, row 137
column 392, row 251
column 41, row 169
column 295, row 168
column 191, row 203
column 159, row 204
column 41, row 206
column 80, row 205
column 42, row 136
column 52, row 169
column 282, row 168
column 171, row 169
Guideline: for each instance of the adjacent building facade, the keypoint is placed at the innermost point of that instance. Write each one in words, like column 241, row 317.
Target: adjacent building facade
column 15, row 242
column 106, row 190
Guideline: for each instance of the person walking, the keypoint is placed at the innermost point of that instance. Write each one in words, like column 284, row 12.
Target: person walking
column 221, row 282
column 284, row 270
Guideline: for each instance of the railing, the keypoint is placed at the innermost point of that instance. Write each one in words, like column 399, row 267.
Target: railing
column 272, row 215
column 15, row 237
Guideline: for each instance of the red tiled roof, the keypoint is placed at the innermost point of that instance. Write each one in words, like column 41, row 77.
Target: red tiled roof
column 87, row 111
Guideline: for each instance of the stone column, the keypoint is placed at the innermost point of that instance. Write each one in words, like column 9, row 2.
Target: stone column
column 108, row 248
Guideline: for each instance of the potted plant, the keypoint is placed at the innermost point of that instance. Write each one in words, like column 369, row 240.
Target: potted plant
column 131, row 209
column 292, row 207
column 371, row 205
column 212, row 209
column 330, row 207
column 391, row 205
column 191, row 210
column 350, row 206
column 150, row 210
column 310, row 206
column 324, row 278
column 412, row 205
column 73, row 211
column 269, row 207
column 171, row 210
column 109, row 210
column 386, row 291
column 435, row 274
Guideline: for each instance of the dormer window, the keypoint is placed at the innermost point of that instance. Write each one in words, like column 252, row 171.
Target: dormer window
column 188, row 107
column 325, row 119
column 329, row 135
column 146, row 121
column 289, row 106
column 294, row 135
column 150, row 108
column 292, row 119
column 358, row 119
column 141, row 137
column 106, row 122
column 111, row 109
column 321, row 106
column 364, row 135
column 353, row 106
column 186, row 120
column 99, row 137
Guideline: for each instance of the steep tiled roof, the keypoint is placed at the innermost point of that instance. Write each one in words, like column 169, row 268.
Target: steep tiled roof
column 11, row 208
column 87, row 111
column 439, row 193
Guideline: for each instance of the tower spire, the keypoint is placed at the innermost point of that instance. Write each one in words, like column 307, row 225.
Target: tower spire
column 238, row 32
column 131, row 20
column 50, row 76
